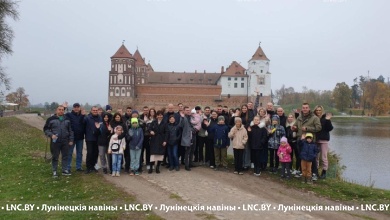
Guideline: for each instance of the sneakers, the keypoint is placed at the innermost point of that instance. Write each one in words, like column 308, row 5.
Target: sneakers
column 212, row 167
column 294, row 172
column 55, row 174
column 240, row 173
column 80, row 169
column 136, row 173
column 171, row 168
column 113, row 174
column 257, row 174
column 117, row 174
column 235, row 172
column 314, row 177
column 66, row 173
column 323, row 174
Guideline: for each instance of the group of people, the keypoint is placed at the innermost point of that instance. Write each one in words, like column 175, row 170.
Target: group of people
column 192, row 136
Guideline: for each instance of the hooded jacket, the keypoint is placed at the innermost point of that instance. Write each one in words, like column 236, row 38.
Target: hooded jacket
column 135, row 138
column 239, row 137
column 76, row 121
column 311, row 122
column 61, row 128
column 284, row 153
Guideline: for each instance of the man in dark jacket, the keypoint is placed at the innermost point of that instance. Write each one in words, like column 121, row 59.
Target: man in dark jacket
column 76, row 120
column 58, row 128
column 91, row 123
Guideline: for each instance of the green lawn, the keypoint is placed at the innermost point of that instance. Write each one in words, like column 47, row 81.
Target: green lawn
column 25, row 178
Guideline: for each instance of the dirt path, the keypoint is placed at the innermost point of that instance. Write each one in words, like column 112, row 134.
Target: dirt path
column 204, row 187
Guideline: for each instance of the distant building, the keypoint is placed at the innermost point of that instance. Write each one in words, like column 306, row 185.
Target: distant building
column 134, row 83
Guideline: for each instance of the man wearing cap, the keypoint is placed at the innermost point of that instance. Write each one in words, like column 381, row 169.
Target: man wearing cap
column 76, row 119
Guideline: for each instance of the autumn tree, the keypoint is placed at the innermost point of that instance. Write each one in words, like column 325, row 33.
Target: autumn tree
column 381, row 101
column 342, row 96
column 19, row 97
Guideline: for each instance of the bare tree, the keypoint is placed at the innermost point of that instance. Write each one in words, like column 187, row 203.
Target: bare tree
column 7, row 9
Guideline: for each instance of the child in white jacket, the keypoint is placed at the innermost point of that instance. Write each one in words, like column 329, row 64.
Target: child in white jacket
column 116, row 148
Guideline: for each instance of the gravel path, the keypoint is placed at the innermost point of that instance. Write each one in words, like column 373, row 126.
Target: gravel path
column 205, row 188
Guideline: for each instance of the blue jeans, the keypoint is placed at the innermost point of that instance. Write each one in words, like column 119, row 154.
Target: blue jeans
column 79, row 154
column 116, row 162
column 172, row 155
column 134, row 159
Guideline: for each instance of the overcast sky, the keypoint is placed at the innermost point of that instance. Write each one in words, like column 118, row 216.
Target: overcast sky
column 62, row 48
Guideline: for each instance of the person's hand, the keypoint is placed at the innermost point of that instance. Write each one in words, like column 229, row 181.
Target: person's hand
column 65, row 104
column 303, row 136
column 304, row 129
column 206, row 123
column 109, row 128
column 152, row 133
column 70, row 143
column 97, row 124
column 109, row 151
column 249, row 129
column 54, row 136
column 115, row 137
column 328, row 116
column 294, row 128
column 164, row 144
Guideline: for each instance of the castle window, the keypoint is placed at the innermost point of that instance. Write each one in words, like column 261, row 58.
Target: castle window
column 117, row 91
column 242, row 78
column 235, row 85
column 235, row 78
column 191, row 80
column 242, row 85
column 229, row 84
column 229, row 78
column 261, row 71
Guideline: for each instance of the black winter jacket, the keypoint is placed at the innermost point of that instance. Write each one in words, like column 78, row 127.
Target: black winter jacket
column 326, row 128
column 62, row 129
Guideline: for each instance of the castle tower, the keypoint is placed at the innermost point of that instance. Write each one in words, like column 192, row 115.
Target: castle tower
column 141, row 68
column 259, row 75
column 122, row 78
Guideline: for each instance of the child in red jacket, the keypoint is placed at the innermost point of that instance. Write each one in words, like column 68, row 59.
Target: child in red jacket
column 284, row 154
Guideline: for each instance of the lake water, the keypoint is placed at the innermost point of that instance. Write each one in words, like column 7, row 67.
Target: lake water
column 364, row 149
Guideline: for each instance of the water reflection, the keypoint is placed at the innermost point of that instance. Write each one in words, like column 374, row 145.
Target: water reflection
column 364, row 149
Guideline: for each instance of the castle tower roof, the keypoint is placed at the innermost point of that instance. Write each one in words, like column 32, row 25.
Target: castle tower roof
column 259, row 55
column 122, row 52
column 139, row 60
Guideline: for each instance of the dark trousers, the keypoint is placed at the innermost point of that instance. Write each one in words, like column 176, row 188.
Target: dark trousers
column 257, row 158
column 314, row 168
column 56, row 149
column 295, row 152
column 263, row 159
column 188, row 155
column 238, row 159
column 92, row 154
column 273, row 158
column 181, row 152
column 285, row 167
column 200, row 142
column 145, row 148
column 126, row 154
column 210, row 151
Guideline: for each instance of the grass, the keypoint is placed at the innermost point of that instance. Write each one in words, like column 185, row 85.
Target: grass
column 25, row 178
column 175, row 196
column 334, row 187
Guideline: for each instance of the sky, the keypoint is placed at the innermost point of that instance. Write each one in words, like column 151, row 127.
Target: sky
column 62, row 48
